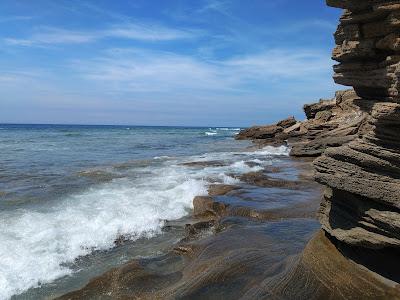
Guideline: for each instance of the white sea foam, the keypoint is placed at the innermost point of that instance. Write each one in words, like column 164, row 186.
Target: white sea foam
column 229, row 129
column 162, row 157
column 35, row 244
column 242, row 167
column 271, row 150
column 211, row 133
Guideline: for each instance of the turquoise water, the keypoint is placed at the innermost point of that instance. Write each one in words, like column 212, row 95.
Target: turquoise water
column 67, row 193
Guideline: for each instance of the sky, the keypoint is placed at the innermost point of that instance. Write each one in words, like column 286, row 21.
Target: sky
column 157, row 62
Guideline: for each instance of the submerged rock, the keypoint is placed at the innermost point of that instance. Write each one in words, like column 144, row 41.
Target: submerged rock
column 324, row 271
column 221, row 189
column 204, row 206
column 205, row 163
column 262, row 180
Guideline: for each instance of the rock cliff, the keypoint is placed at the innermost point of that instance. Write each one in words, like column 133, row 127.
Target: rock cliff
column 361, row 206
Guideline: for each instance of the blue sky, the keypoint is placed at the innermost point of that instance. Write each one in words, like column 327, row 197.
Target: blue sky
column 157, row 62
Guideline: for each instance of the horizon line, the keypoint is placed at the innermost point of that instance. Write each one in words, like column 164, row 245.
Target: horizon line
column 121, row 125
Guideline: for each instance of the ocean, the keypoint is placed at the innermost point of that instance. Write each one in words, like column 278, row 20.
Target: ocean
column 69, row 192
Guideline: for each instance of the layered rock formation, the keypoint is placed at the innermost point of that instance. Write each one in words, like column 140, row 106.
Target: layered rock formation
column 330, row 123
column 361, row 205
column 368, row 45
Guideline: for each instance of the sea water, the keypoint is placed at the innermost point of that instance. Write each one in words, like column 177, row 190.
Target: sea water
column 67, row 193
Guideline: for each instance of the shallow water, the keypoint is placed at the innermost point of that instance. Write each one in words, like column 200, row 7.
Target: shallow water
column 68, row 192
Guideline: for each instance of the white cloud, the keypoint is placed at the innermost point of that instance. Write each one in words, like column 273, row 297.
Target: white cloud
column 147, row 32
column 155, row 71
column 282, row 63
column 214, row 5
column 134, row 31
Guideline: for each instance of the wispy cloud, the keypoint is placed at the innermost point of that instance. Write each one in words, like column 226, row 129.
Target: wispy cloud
column 15, row 19
column 18, row 77
column 132, row 31
column 147, row 32
column 48, row 35
column 155, row 71
column 214, row 5
column 281, row 63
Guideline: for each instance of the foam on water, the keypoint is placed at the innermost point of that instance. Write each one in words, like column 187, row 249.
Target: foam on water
column 271, row 150
column 229, row 129
column 211, row 133
column 215, row 131
column 38, row 245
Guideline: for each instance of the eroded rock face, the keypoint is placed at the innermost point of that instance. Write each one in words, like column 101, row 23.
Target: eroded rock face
column 330, row 123
column 361, row 206
column 368, row 45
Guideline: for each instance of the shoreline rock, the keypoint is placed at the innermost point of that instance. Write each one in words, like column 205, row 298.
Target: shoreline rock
column 330, row 123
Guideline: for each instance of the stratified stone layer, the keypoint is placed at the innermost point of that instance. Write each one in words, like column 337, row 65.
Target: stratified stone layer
column 361, row 206
column 368, row 45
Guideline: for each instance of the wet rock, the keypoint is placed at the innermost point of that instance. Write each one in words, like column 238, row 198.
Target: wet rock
column 192, row 231
column 227, row 265
column 329, row 274
column 206, row 206
column 98, row 175
column 221, row 189
column 134, row 280
column 183, row 250
column 262, row 180
column 206, row 163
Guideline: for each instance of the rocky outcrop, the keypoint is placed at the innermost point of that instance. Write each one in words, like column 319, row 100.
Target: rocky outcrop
column 260, row 132
column 361, row 205
column 330, row 123
column 368, row 48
